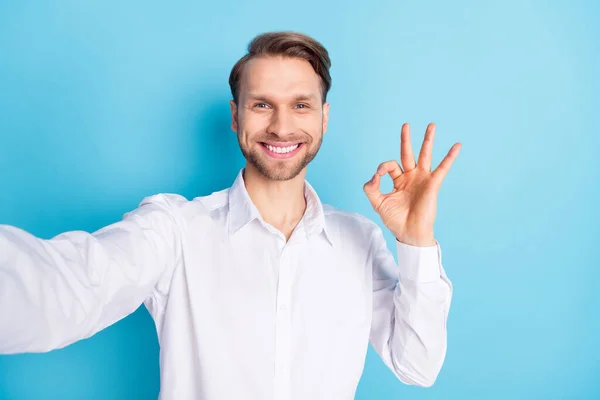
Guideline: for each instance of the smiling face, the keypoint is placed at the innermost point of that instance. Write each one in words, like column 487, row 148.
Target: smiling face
column 280, row 117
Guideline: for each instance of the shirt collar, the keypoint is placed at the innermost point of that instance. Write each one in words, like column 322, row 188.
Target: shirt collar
column 242, row 210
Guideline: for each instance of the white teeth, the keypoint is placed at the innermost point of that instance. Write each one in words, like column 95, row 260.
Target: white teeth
column 282, row 150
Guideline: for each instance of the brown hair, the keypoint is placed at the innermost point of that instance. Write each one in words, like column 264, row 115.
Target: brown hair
column 286, row 44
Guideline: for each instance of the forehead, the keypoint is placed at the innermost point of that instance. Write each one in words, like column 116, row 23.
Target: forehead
column 280, row 77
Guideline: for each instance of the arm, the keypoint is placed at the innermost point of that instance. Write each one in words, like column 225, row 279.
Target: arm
column 58, row 291
column 410, row 309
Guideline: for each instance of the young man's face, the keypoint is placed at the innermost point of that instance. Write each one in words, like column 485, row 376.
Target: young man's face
column 280, row 119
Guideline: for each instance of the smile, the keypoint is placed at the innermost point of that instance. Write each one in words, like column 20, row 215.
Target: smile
column 279, row 151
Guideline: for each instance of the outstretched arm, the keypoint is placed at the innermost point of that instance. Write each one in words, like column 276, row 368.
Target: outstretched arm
column 57, row 291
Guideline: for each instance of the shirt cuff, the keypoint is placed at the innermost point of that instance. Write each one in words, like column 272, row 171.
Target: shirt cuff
column 419, row 264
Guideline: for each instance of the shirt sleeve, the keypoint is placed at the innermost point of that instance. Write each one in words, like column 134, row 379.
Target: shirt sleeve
column 411, row 301
column 58, row 291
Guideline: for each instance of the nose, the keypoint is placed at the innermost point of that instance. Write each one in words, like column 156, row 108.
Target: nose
column 282, row 123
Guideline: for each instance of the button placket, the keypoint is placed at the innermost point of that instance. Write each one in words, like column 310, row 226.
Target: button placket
column 283, row 328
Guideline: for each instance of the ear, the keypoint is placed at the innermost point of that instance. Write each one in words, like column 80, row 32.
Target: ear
column 325, row 117
column 234, row 116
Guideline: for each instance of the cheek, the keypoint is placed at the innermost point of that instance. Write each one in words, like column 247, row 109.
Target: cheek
column 252, row 125
column 312, row 125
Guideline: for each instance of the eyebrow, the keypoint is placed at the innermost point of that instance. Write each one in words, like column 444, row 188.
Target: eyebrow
column 298, row 97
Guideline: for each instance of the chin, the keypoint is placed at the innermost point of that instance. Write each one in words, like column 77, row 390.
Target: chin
column 279, row 172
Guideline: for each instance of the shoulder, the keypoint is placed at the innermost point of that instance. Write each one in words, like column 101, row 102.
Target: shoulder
column 180, row 207
column 347, row 217
column 349, row 224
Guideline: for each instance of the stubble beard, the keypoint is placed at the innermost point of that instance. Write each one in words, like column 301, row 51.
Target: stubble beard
column 280, row 170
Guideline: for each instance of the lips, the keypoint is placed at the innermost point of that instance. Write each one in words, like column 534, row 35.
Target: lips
column 282, row 150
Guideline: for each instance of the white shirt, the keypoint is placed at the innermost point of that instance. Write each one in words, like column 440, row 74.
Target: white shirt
column 240, row 313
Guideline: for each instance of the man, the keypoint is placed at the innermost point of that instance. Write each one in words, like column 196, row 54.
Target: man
column 258, row 291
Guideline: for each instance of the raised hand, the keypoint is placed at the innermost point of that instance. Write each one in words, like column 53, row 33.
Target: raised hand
column 409, row 209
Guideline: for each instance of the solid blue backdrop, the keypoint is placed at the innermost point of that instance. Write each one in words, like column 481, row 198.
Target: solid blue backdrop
column 105, row 102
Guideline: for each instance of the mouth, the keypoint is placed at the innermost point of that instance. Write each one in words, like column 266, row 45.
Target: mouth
column 282, row 150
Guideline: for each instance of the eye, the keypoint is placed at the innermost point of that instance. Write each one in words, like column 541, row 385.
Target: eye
column 302, row 105
column 261, row 105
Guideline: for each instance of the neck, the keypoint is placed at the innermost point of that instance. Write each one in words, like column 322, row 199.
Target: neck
column 280, row 203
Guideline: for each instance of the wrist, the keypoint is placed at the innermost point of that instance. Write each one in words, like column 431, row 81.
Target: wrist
column 417, row 241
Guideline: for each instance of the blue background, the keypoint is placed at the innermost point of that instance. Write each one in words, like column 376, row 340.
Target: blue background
column 105, row 102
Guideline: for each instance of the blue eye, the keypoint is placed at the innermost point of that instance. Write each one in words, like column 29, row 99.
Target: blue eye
column 261, row 105
column 302, row 106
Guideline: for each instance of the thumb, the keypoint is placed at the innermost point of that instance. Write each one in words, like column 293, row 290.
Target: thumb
column 372, row 191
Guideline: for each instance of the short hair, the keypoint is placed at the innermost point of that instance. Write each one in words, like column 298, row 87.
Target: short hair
column 285, row 44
